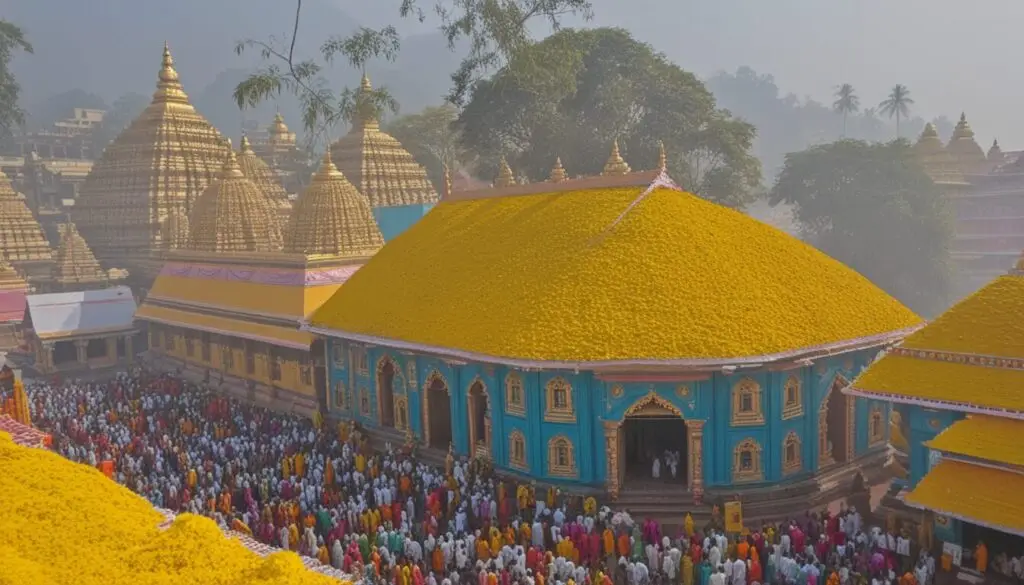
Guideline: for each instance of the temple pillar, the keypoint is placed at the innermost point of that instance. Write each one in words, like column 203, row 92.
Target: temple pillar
column 46, row 356
column 611, row 443
column 80, row 347
column 129, row 352
column 112, row 349
column 695, row 469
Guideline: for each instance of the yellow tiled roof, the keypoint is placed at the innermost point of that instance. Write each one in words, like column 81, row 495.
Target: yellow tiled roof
column 980, row 324
column 974, row 493
column 605, row 274
column 242, row 296
column 947, row 382
column 992, row 438
column 224, row 325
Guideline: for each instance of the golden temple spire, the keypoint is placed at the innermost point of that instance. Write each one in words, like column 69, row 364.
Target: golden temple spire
column 75, row 263
column 505, row 177
column 936, row 161
column 168, row 87
column 21, row 237
column 174, row 232
column 234, row 215
column 963, row 129
column 557, row 172
column 995, row 153
column 968, row 155
column 662, row 158
column 615, row 164
column 259, row 172
column 331, row 218
column 9, row 277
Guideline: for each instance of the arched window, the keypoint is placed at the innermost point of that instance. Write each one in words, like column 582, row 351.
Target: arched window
column 517, row 450
column 359, row 360
column 746, row 403
column 792, row 398
column 338, row 354
column 401, row 413
column 561, row 457
column 558, row 394
column 876, row 426
column 364, row 402
column 746, row 464
column 791, row 456
column 515, row 399
column 341, row 396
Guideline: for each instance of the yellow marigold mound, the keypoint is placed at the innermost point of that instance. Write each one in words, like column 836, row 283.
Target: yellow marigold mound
column 991, row 438
column 980, row 324
column 66, row 524
column 552, row 277
column 984, row 494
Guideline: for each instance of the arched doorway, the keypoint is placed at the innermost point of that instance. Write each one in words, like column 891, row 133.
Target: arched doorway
column 437, row 411
column 653, row 430
column 834, row 424
column 386, row 391
column 479, row 419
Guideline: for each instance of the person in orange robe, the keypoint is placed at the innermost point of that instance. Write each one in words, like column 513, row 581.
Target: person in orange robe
column 300, row 465
column 483, row 552
column 981, row 557
column 437, row 560
column 323, row 555
column 293, row 536
column 624, row 545
column 286, row 468
column 525, row 534
column 609, row 542
column 742, row 549
column 329, row 475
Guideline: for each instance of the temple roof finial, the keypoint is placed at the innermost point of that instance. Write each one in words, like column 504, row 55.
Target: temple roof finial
column 505, row 177
column 245, row 147
column 557, row 172
column 616, row 165
column 662, row 158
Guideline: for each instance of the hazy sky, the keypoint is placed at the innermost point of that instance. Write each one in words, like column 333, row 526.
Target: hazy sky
column 953, row 55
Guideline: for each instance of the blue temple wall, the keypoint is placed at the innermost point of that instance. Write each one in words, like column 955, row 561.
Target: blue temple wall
column 596, row 402
column 925, row 424
column 395, row 220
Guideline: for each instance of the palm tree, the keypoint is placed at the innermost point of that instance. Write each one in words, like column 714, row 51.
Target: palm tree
column 897, row 104
column 846, row 102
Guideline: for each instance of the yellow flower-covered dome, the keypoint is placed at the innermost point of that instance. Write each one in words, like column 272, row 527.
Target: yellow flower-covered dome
column 332, row 218
column 378, row 165
column 234, row 215
column 591, row 272
column 162, row 161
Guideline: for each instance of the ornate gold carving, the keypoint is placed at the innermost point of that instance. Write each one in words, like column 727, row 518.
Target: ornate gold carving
column 517, row 450
column 410, row 368
column 364, row 402
column 264, row 177
column 611, row 445
column 515, row 396
column 792, row 460
column 175, row 230
column 618, row 391
column 332, row 218
column 558, row 395
column 401, row 413
column 9, row 277
column 377, row 164
column 792, row 398
column 683, row 391
column 76, row 266
column 876, row 426
column 505, row 177
column 341, row 398
column 478, row 435
column 652, row 405
column 695, row 471
column 21, row 237
column 561, row 457
column 747, row 409
column 234, row 215
column 746, row 464
column 557, row 172
column 615, row 165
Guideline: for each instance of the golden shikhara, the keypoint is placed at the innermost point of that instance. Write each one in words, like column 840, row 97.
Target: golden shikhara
column 990, row 438
column 935, row 159
column 234, row 215
column 175, row 231
column 263, row 176
column 332, row 218
column 279, row 134
column 162, row 161
column 21, row 237
column 74, row 261
column 964, row 150
column 378, row 165
column 961, row 349
column 974, row 493
column 606, row 274
column 9, row 277
column 115, row 534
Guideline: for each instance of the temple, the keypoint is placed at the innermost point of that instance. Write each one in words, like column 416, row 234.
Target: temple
column 236, row 284
column 383, row 171
column 572, row 331
column 958, row 385
column 22, row 241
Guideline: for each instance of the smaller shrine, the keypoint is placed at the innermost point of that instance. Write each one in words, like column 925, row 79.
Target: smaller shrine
column 13, row 290
column 965, row 151
column 75, row 267
column 73, row 332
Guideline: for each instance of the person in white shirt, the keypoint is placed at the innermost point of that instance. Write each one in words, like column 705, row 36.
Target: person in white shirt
column 717, row 578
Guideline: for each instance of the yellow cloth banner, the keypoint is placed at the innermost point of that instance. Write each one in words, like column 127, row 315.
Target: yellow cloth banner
column 734, row 517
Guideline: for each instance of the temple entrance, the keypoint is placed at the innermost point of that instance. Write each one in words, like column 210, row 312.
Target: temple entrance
column 479, row 423
column 836, row 422
column 64, row 352
column 438, row 412
column 96, row 349
column 655, row 438
column 386, row 391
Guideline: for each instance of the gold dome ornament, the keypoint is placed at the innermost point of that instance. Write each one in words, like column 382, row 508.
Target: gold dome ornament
column 964, row 150
column 557, row 172
column 266, row 179
column 234, row 215
column 332, row 218
column 615, row 164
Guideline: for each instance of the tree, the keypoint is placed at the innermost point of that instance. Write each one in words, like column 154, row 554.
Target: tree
column 12, row 40
column 572, row 94
column 496, row 32
column 431, row 137
column 872, row 207
column 125, row 109
column 846, row 102
column 897, row 104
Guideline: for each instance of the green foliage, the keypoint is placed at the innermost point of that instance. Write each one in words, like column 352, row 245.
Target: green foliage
column 897, row 104
column 431, row 137
column 12, row 40
column 575, row 92
column 872, row 207
column 118, row 117
column 846, row 102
